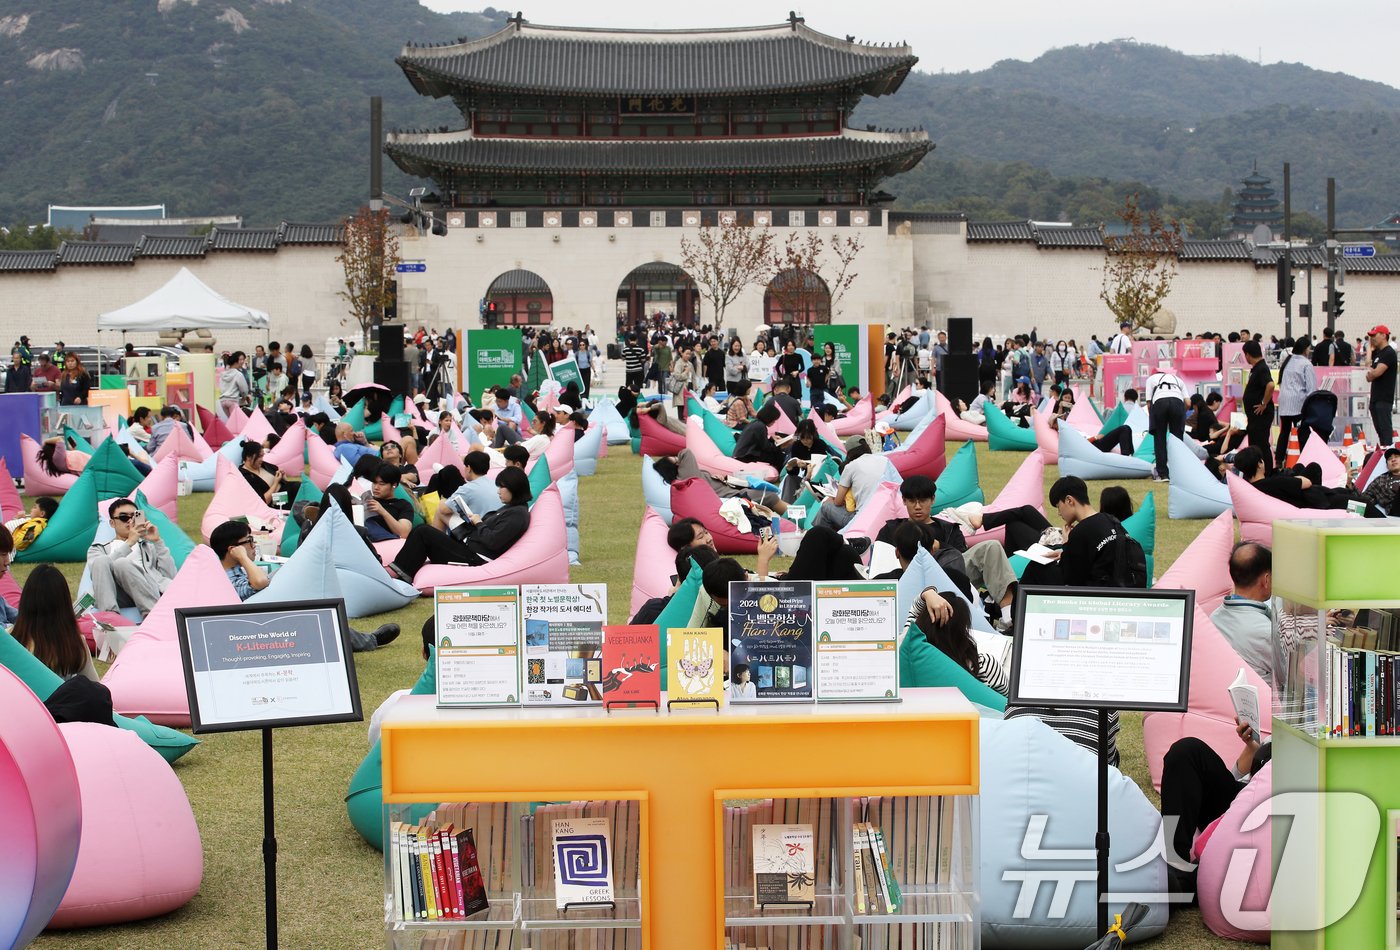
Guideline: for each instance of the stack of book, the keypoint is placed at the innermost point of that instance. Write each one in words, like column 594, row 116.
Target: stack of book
column 437, row 876
column 1363, row 686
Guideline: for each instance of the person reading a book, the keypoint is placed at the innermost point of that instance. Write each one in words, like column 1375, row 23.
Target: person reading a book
column 1197, row 789
column 387, row 516
column 478, row 540
column 263, row 478
column 861, row 475
column 754, row 444
column 135, row 567
column 1246, row 617
column 1218, row 438
column 685, row 466
column 476, row 496
column 45, row 626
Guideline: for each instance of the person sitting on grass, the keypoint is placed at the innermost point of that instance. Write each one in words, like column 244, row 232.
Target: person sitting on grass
column 45, row 626
column 479, row 540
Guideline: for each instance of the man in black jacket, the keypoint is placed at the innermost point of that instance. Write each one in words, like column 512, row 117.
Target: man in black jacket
column 477, row 541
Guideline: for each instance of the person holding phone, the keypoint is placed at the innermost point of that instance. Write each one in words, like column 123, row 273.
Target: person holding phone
column 133, row 568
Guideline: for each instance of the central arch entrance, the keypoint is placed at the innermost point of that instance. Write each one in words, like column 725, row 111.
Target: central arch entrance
column 518, row 298
column 797, row 296
column 654, row 293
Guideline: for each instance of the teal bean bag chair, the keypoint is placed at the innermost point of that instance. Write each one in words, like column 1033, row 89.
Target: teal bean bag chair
column 923, row 664
column 924, row 572
column 170, row 743
column 1142, row 527
column 720, row 434
column 374, row 432
column 540, row 478
column 959, row 484
column 1116, row 418
column 1079, row 457
column 355, row 417
column 828, row 470
column 1003, row 435
column 112, row 471
column 291, row 532
column 633, row 428
column 72, row 528
column 1192, row 491
column 179, row 543
column 1029, row 769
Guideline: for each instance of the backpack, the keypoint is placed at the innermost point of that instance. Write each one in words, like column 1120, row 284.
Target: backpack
column 1130, row 564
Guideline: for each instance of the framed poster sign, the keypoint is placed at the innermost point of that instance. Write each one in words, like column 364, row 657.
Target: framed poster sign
column 258, row 666
column 478, row 646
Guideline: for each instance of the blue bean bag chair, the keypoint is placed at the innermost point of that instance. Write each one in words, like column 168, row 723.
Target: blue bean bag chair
column 201, row 474
column 1193, row 491
column 959, row 484
column 1079, row 457
column 1029, row 769
column 655, row 490
column 906, row 421
column 924, row 572
column 1137, row 420
column 586, row 451
column 568, row 494
column 614, row 427
column 1003, row 435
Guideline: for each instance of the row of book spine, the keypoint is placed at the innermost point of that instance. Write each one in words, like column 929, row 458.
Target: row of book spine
column 435, row 872
column 1363, row 689
column 931, row 936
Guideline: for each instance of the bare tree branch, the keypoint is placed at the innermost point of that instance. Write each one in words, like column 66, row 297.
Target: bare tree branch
column 725, row 260
column 1140, row 265
column 368, row 259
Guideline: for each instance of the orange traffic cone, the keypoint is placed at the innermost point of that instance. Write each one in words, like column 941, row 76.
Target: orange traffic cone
column 1294, row 450
column 1346, row 437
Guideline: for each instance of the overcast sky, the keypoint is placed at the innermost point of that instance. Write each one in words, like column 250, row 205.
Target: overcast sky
column 1359, row 37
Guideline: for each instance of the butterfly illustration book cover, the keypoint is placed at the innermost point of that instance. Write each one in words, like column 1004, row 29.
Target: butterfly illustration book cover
column 696, row 659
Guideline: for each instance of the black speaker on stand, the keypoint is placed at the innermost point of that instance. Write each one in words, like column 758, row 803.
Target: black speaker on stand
column 960, row 376
column 391, row 342
column 960, row 335
column 393, row 375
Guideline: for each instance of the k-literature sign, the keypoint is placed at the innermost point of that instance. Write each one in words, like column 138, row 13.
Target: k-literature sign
column 493, row 356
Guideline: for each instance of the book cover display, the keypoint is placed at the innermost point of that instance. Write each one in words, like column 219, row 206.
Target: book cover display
column 478, row 646
column 582, row 851
column 696, row 658
column 563, row 626
column 630, row 670
column 857, row 645
column 784, row 865
column 770, row 640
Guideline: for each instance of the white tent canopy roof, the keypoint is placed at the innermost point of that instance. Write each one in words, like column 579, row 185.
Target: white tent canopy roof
column 184, row 303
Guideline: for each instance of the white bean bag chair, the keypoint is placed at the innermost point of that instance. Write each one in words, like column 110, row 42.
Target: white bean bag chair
column 957, row 428
column 323, row 464
column 878, row 509
column 1334, row 473
column 541, row 555
column 257, row 428
column 857, row 419
column 1210, row 715
column 568, row 495
column 711, row 459
column 587, row 450
column 1192, row 491
column 37, row 482
column 1029, row 770
column 134, row 448
column 1026, row 486
column 1137, row 420
column 234, row 497
column 180, row 444
column 162, row 486
column 926, row 455
column 440, row 452
column 40, row 813
column 654, row 564
column 655, row 490
column 1079, row 457
column 1236, row 906
column 924, row 572
column 614, row 427
column 1257, row 511
column 906, row 421
column 1046, row 438
column 289, row 454
column 140, row 853
column 147, row 678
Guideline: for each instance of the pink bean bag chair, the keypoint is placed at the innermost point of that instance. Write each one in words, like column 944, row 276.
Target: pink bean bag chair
column 928, row 455
column 1046, row 438
column 1209, row 716
column 179, row 444
column 541, row 556
column 1334, row 473
column 1237, row 907
column 257, row 428
column 657, row 440
column 958, row 430
column 214, row 430
column 140, row 854
column 324, row 464
column 560, row 454
column 162, row 486
column 1084, row 416
column 784, row 426
column 878, row 509
column 827, row 433
column 236, row 420
column 387, row 430
column 711, row 459
column 1205, row 564
column 441, row 452
column 1257, row 511
column 857, row 419
column 10, row 504
column 38, row 482
column 694, row 498
column 40, row 813
column 289, row 454
column 1026, row 486
column 234, row 497
column 655, row 562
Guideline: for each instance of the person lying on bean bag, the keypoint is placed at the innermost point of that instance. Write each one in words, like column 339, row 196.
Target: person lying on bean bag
column 478, row 539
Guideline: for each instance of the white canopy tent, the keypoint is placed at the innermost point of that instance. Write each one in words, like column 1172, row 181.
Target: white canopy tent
column 184, row 303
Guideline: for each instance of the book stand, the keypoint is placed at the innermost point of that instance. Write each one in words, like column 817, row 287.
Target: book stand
column 685, row 703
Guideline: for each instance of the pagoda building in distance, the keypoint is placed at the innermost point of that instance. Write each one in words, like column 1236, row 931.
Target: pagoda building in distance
column 1255, row 208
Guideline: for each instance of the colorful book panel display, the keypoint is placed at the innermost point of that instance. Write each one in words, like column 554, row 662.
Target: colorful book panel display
column 582, row 853
column 478, row 646
column 630, row 671
column 437, row 872
column 857, row 646
column 563, row 630
column 696, row 658
column 770, row 639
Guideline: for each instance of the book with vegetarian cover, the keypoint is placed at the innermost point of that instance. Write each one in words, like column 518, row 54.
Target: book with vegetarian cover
column 631, row 667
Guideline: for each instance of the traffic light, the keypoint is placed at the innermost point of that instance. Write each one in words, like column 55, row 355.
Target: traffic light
column 1285, row 282
column 489, row 316
column 1336, row 312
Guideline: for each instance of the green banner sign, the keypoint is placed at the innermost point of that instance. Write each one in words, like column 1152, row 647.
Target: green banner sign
column 565, row 372
column 493, row 356
column 846, row 338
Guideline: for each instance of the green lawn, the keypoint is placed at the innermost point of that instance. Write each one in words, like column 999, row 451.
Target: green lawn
column 330, row 881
